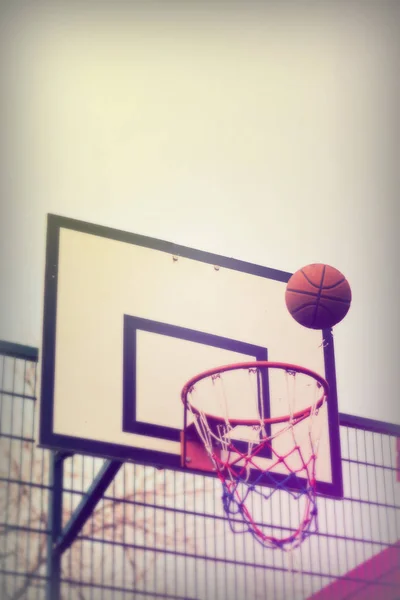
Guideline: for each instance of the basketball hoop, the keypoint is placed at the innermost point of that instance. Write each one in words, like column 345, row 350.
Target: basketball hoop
column 253, row 454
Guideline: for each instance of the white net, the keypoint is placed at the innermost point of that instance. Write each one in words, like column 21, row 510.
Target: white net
column 261, row 425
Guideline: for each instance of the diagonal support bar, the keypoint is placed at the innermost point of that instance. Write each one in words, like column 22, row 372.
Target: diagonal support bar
column 86, row 506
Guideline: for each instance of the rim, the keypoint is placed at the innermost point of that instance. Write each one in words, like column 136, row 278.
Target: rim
column 305, row 412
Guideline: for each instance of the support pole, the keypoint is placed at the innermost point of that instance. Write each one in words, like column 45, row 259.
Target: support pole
column 60, row 540
column 54, row 520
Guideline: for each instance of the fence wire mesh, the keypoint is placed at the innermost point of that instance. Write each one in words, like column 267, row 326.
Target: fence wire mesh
column 163, row 534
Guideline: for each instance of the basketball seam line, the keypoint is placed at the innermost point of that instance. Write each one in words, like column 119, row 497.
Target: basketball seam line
column 315, row 295
column 319, row 296
column 299, row 308
column 327, row 287
column 309, row 280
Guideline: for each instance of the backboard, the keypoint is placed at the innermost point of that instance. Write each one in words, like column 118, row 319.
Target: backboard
column 129, row 319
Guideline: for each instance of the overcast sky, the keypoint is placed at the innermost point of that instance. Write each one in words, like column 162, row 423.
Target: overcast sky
column 266, row 135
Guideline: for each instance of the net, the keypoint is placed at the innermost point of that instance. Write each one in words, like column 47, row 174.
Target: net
column 257, row 457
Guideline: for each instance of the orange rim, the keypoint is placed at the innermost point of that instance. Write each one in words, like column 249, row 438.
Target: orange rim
column 305, row 412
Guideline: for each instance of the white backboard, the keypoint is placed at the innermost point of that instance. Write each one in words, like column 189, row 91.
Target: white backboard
column 129, row 319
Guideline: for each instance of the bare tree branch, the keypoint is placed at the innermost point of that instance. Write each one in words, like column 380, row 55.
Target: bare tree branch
column 40, row 560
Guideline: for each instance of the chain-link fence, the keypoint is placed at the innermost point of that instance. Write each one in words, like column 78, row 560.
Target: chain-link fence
column 163, row 534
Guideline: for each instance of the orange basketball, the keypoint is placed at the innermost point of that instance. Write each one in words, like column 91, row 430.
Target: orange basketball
column 318, row 296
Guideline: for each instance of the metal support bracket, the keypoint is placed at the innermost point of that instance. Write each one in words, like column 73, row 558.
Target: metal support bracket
column 86, row 506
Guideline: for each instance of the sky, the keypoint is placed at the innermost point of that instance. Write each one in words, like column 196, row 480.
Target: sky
column 263, row 133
